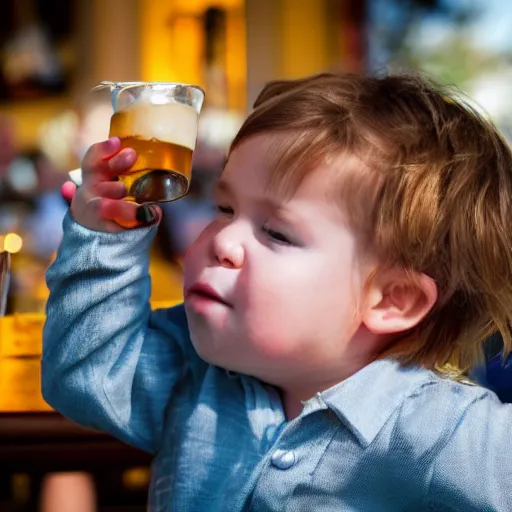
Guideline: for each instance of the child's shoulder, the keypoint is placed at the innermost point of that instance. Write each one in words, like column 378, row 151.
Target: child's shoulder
column 438, row 406
column 403, row 404
column 448, row 388
column 441, row 392
column 457, row 434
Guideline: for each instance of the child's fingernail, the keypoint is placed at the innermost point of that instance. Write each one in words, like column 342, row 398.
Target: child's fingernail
column 145, row 214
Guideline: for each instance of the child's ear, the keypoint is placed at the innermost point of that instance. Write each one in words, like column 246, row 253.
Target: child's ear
column 397, row 302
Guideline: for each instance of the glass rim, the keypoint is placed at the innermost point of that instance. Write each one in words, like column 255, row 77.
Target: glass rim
column 132, row 85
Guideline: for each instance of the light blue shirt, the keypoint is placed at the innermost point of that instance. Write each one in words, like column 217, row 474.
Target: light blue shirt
column 387, row 439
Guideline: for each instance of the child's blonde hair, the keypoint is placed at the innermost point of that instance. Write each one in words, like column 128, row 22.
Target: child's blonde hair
column 431, row 194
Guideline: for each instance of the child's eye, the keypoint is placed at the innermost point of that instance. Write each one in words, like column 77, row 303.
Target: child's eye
column 225, row 210
column 276, row 236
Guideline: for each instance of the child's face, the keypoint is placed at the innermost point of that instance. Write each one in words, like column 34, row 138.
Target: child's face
column 272, row 283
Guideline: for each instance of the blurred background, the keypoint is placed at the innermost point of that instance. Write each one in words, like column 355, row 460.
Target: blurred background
column 53, row 51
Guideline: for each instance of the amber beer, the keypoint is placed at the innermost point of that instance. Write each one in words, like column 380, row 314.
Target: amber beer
column 164, row 137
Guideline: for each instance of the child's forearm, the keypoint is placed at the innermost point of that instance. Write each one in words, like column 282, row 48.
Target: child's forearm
column 97, row 332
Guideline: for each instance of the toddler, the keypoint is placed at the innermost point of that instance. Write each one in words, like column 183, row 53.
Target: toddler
column 360, row 255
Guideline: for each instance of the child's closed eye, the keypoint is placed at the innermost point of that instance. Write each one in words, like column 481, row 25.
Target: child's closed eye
column 224, row 209
column 277, row 236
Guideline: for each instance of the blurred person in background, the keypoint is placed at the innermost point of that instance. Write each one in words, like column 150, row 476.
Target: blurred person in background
column 9, row 157
column 33, row 208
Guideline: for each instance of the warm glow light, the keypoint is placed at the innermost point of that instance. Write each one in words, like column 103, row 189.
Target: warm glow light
column 172, row 44
column 301, row 55
column 136, row 478
column 12, row 243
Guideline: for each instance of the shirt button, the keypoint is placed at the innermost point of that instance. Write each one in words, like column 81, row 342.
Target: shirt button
column 283, row 459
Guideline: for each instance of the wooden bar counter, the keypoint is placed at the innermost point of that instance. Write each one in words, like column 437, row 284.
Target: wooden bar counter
column 47, row 442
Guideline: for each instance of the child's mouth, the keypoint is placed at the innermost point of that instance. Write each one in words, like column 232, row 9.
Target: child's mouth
column 202, row 291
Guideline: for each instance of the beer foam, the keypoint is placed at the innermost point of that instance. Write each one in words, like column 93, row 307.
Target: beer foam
column 171, row 122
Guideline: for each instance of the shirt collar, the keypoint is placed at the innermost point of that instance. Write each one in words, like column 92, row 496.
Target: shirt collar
column 366, row 400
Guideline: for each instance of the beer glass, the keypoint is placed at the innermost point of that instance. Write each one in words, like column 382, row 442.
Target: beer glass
column 159, row 121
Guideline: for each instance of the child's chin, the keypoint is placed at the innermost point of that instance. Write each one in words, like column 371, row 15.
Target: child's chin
column 206, row 349
column 214, row 359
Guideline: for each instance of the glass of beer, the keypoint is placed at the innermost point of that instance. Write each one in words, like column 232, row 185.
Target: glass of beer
column 159, row 121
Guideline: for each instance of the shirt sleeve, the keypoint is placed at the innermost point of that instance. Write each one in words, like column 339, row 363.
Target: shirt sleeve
column 109, row 362
column 474, row 470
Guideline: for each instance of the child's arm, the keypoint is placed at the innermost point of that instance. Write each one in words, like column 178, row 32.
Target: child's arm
column 108, row 362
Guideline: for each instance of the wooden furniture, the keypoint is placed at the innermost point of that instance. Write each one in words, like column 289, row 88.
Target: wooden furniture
column 37, row 447
column 47, row 442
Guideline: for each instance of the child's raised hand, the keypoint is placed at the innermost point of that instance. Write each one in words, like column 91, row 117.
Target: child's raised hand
column 98, row 203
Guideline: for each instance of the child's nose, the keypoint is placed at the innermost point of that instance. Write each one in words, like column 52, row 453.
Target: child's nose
column 228, row 251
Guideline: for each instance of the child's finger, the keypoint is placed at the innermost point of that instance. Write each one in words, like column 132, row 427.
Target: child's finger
column 109, row 189
column 106, row 160
column 68, row 190
column 121, row 162
column 120, row 211
column 95, row 161
column 128, row 214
